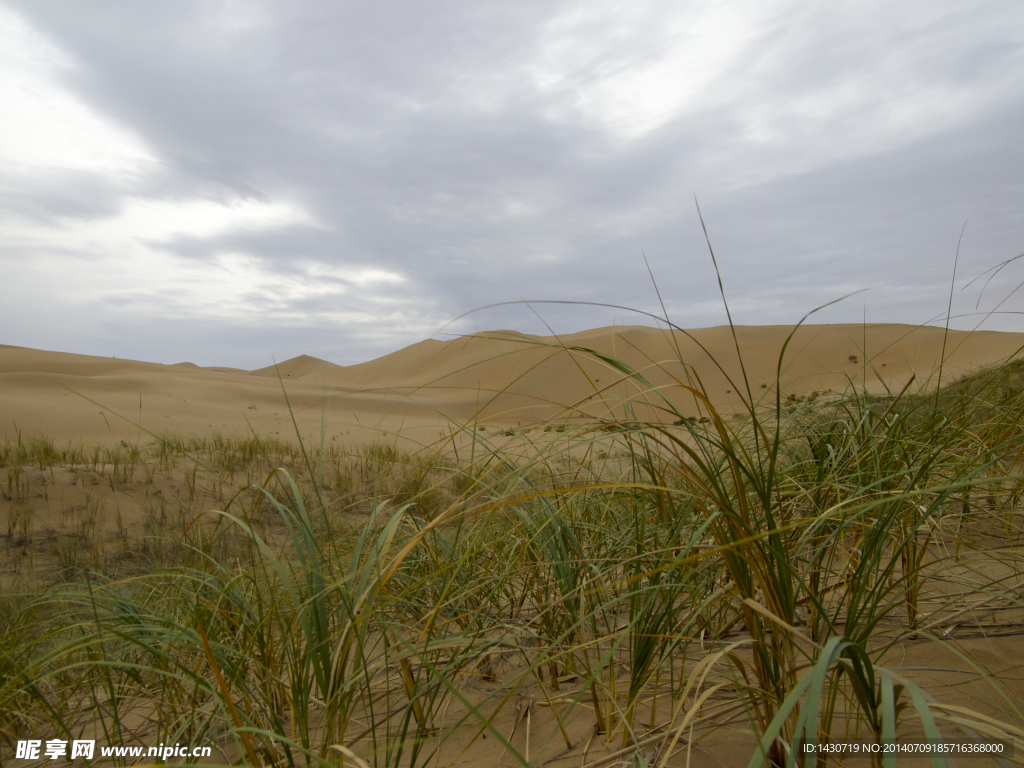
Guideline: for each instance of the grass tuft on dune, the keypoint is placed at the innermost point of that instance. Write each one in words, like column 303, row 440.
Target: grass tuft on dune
column 661, row 582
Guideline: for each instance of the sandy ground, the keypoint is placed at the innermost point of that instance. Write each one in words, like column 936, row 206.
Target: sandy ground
column 499, row 379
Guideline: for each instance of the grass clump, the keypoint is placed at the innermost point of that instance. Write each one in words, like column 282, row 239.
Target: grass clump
column 612, row 591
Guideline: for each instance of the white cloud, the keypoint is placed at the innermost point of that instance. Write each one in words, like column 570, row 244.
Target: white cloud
column 806, row 86
column 143, row 221
column 119, row 260
column 44, row 127
column 230, row 286
column 634, row 66
column 877, row 88
column 362, row 276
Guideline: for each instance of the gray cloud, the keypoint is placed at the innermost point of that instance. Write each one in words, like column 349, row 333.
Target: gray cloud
column 478, row 153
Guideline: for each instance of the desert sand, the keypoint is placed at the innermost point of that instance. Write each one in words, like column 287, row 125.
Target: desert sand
column 499, row 379
column 492, row 383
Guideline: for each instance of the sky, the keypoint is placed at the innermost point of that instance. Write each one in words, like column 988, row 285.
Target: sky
column 229, row 182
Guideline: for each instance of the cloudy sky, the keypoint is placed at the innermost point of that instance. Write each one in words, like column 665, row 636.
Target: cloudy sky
column 221, row 181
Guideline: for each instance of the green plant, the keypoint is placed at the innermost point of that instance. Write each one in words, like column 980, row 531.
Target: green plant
column 640, row 580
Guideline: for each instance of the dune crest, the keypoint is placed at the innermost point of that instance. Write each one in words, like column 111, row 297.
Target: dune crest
column 504, row 378
column 297, row 368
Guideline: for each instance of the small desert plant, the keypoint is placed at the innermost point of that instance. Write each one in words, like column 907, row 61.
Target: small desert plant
column 649, row 578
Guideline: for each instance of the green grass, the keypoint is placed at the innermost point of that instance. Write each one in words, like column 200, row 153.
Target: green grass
column 644, row 584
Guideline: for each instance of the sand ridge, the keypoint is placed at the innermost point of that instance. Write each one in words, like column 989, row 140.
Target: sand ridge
column 503, row 378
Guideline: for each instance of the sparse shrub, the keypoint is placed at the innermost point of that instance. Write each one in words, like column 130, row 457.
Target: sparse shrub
column 637, row 577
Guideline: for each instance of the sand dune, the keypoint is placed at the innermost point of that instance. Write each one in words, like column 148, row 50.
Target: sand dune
column 296, row 368
column 502, row 378
column 497, row 380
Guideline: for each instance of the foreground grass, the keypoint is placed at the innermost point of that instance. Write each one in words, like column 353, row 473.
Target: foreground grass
column 606, row 593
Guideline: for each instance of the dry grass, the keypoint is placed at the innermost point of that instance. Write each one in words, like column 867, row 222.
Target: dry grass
column 606, row 593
